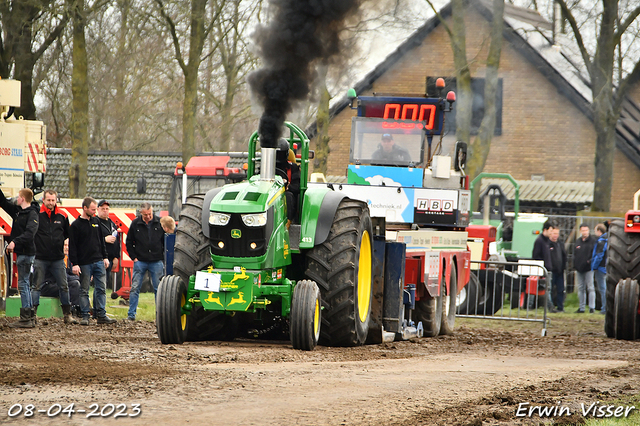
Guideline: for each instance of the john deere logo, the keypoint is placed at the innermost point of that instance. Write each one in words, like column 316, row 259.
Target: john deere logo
column 236, row 233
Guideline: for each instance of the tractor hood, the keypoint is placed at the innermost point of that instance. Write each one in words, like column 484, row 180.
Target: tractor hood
column 253, row 196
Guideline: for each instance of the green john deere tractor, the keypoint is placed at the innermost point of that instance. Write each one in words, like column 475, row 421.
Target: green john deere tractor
column 243, row 268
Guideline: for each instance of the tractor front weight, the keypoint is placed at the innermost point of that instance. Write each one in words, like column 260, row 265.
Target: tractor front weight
column 240, row 290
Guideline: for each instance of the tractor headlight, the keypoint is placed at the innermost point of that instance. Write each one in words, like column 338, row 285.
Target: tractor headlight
column 219, row 219
column 636, row 219
column 255, row 219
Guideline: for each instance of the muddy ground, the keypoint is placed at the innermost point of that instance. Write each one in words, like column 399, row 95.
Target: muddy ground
column 479, row 376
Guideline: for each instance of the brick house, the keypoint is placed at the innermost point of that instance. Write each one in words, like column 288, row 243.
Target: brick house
column 545, row 130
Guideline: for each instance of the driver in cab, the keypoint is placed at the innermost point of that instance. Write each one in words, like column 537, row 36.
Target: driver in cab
column 388, row 151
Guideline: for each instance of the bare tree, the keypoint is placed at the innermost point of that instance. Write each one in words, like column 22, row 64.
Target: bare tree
column 612, row 25
column 479, row 149
column 23, row 43
column 199, row 31
column 228, row 62
column 80, row 116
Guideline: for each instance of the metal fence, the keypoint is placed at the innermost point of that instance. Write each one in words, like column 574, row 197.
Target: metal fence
column 516, row 291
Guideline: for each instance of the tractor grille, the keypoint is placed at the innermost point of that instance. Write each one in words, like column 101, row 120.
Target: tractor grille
column 237, row 238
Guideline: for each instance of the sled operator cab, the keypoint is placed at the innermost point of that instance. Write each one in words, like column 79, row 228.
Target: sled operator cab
column 397, row 166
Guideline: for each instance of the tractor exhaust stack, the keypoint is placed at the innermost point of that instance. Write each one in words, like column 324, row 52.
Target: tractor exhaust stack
column 268, row 164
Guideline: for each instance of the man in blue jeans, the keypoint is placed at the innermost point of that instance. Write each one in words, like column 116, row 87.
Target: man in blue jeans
column 145, row 245
column 23, row 230
column 599, row 263
column 88, row 254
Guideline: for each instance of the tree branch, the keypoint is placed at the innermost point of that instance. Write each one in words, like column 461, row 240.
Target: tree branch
column 53, row 36
column 624, row 25
column 629, row 81
column 174, row 36
column 576, row 32
column 444, row 24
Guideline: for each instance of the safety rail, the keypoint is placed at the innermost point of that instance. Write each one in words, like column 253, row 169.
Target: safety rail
column 515, row 291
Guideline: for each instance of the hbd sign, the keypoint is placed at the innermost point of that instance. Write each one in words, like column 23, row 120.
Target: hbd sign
column 434, row 205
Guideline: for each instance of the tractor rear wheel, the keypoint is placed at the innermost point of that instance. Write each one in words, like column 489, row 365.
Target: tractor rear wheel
column 305, row 319
column 342, row 268
column 626, row 310
column 171, row 323
column 623, row 261
column 449, row 303
column 191, row 254
column 429, row 311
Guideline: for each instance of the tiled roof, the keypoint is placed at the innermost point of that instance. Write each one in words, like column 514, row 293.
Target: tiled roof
column 112, row 175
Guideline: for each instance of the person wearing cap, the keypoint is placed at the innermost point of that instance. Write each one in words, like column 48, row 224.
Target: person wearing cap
column 111, row 238
column 389, row 152
column 53, row 230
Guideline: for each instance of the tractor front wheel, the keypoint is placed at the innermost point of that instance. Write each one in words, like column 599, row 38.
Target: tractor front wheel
column 305, row 319
column 171, row 323
column 626, row 310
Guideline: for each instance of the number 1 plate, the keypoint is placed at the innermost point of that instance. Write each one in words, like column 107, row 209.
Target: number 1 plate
column 206, row 281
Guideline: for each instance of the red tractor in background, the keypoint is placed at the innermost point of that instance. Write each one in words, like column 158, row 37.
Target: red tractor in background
column 622, row 319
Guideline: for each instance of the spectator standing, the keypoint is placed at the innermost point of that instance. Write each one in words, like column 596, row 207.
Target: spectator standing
column 541, row 252
column 582, row 252
column 599, row 263
column 111, row 237
column 88, row 253
column 558, row 264
column 53, row 230
column 168, row 224
column 74, row 282
column 25, row 225
column 145, row 245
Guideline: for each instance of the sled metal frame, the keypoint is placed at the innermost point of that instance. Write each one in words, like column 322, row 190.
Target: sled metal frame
column 512, row 279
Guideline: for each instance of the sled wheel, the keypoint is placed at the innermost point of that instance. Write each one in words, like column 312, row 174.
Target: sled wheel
column 626, row 310
column 341, row 267
column 449, row 303
column 467, row 299
column 305, row 316
column 429, row 311
column 171, row 323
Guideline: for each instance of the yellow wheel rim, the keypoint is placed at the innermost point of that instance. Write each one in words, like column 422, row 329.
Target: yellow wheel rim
column 364, row 277
column 183, row 317
column 316, row 319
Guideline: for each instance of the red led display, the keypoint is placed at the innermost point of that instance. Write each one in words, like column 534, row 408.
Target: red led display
column 401, row 112
column 422, row 111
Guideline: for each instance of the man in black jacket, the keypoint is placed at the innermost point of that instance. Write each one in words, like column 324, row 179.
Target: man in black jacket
column 541, row 252
column 582, row 251
column 145, row 245
column 88, row 254
column 558, row 264
column 23, row 230
column 53, row 230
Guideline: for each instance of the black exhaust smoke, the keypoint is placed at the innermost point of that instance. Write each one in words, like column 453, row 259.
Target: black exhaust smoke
column 301, row 34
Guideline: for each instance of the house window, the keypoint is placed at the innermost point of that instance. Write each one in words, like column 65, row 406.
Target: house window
column 477, row 88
